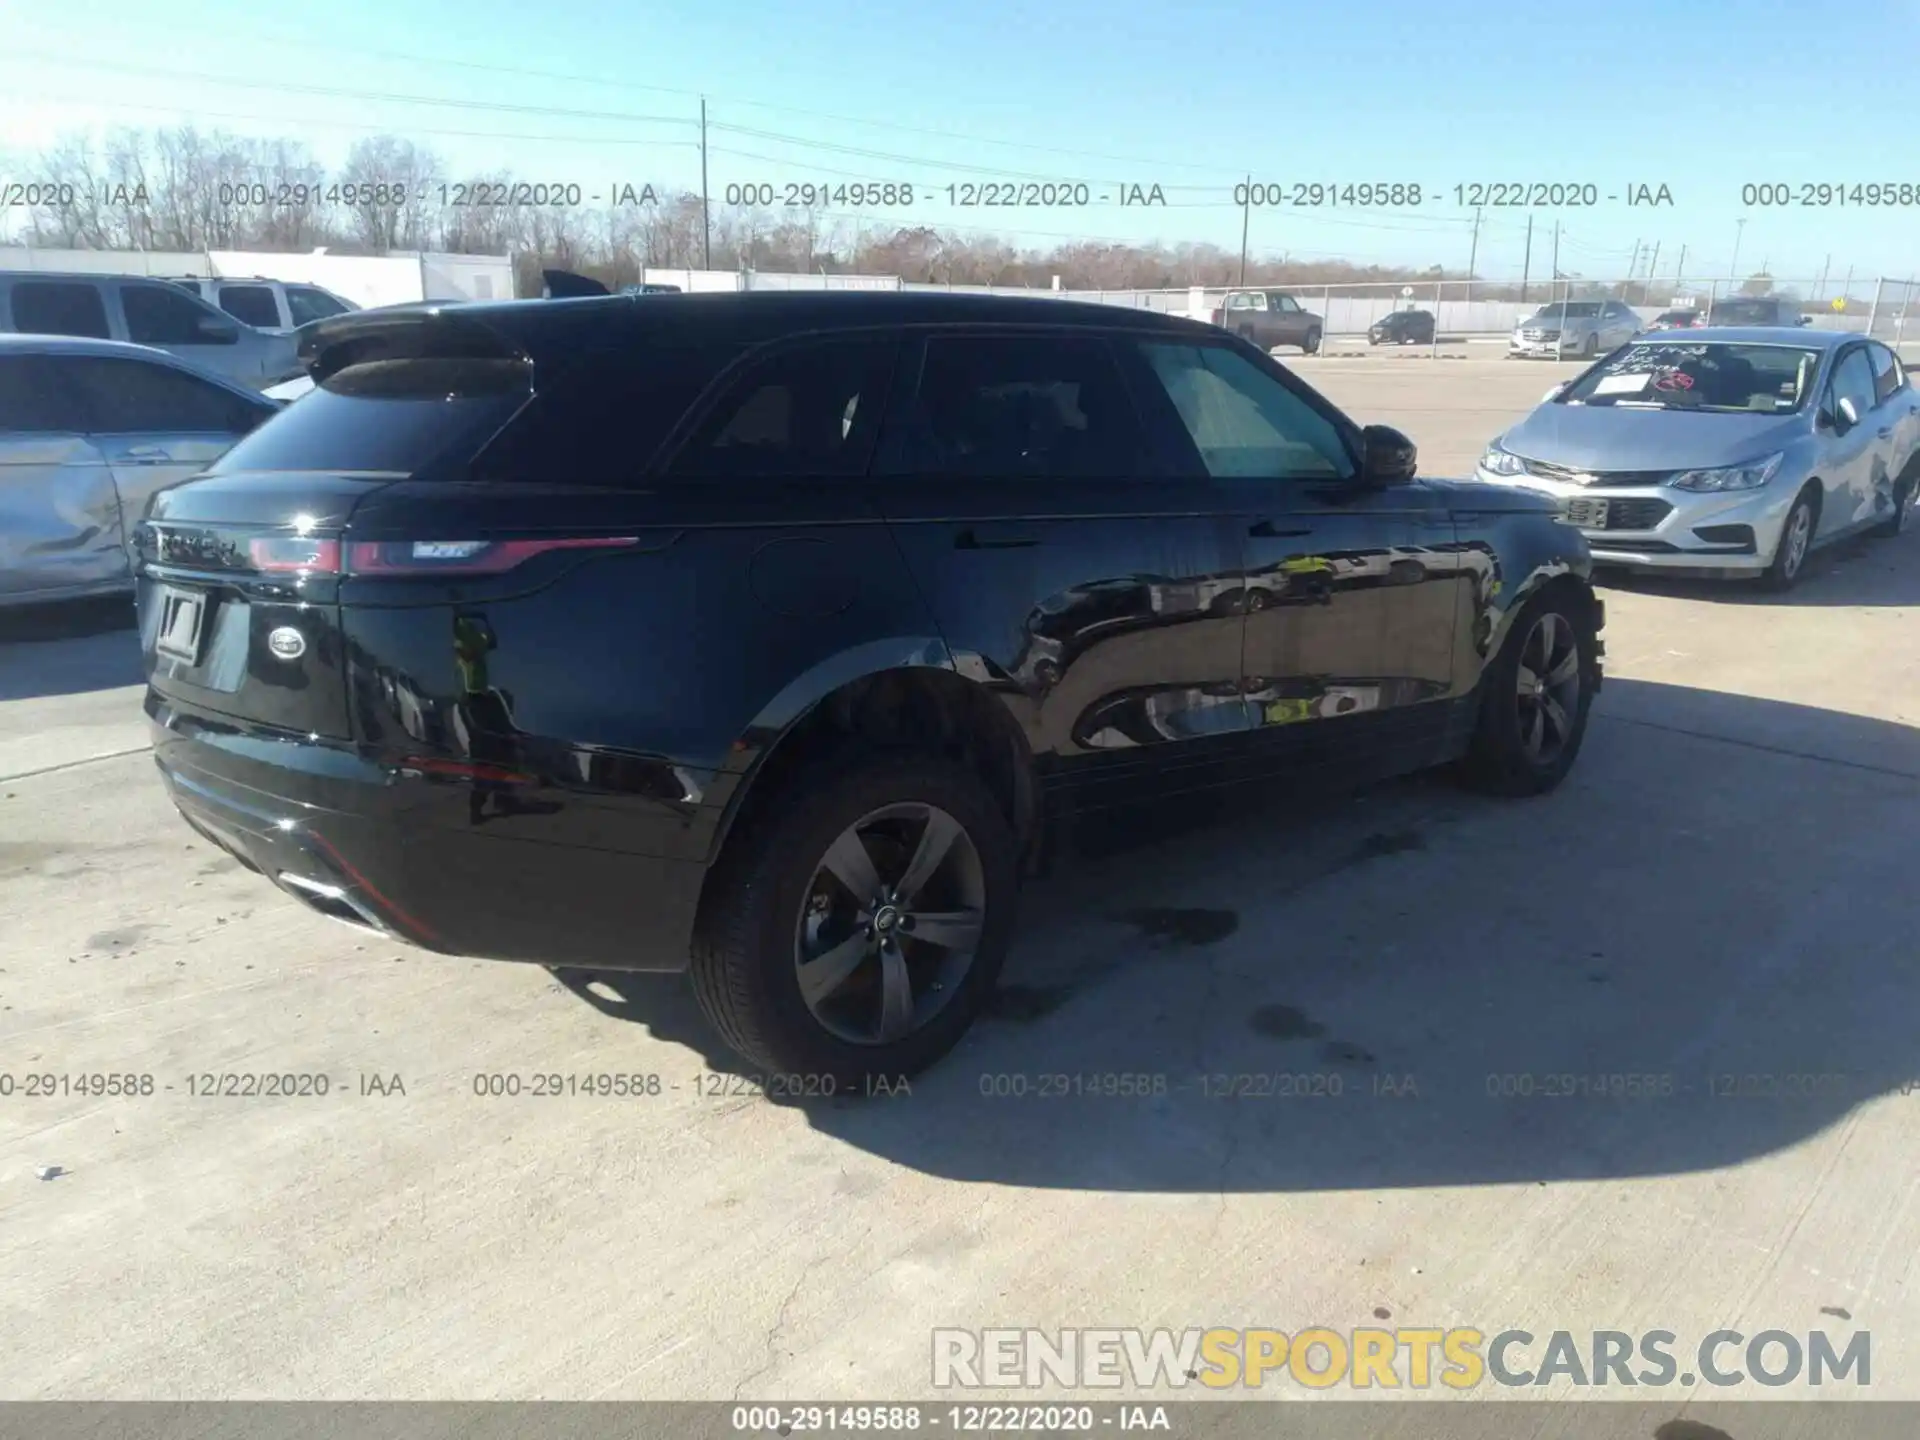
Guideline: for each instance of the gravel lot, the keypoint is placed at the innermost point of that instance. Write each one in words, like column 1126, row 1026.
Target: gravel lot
column 1724, row 885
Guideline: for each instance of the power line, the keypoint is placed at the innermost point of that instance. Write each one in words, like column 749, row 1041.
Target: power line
column 340, row 93
column 331, row 123
column 530, row 72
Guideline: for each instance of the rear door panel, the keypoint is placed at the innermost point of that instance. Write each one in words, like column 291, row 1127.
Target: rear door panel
column 144, row 464
column 1102, row 609
column 60, row 518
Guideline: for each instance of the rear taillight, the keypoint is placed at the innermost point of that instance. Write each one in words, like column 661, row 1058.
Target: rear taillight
column 464, row 557
column 294, row 554
column 289, row 555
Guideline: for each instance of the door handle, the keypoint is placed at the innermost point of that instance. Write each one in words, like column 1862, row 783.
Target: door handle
column 972, row 540
column 1264, row 530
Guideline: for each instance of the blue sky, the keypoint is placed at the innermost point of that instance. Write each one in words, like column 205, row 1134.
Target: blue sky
column 1700, row 97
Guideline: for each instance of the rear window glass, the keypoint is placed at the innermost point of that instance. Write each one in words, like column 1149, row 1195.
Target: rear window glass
column 1578, row 310
column 53, row 307
column 1748, row 312
column 390, row 415
column 252, row 304
column 34, row 402
column 305, row 304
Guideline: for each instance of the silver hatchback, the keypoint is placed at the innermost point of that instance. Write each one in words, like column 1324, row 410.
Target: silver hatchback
column 90, row 431
column 1736, row 451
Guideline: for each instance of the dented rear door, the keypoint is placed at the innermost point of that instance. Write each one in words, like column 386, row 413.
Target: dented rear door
column 61, row 528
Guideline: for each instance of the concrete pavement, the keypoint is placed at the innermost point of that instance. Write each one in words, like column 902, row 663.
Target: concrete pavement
column 1723, row 888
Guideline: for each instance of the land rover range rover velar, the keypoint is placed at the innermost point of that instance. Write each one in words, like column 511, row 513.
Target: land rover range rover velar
column 774, row 637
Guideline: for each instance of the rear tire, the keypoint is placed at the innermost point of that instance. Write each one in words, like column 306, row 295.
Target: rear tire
column 1890, row 527
column 776, row 906
column 1789, row 561
column 1535, row 698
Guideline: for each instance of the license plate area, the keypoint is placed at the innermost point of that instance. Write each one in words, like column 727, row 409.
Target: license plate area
column 1587, row 514
column 183, row 623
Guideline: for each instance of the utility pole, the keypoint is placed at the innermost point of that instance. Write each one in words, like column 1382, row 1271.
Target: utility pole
column 1473, row 250
column 1647, row 284
column 1526, row 263
column 1820, row 291
column 706, row 209
column 1246, row 216
column 1633, row 265
column 1679, row 270
column 1556, row 249
column 1739, row 229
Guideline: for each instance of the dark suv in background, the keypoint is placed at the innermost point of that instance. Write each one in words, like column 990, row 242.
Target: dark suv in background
column 1756, row 310
column 778, row 636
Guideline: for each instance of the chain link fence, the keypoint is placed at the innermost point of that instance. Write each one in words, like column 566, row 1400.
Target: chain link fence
column 1464, row 310
column 1894, row 315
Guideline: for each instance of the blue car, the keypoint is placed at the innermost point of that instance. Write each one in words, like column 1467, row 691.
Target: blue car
column 1729, row 450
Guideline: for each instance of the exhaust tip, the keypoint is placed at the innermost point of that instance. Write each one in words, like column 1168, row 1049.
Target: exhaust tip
column 331, row 901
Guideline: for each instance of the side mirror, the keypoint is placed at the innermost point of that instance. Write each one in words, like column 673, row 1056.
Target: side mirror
column 1849, row 413
column 1389, row 456
column 212, row 327
column 1555, row 393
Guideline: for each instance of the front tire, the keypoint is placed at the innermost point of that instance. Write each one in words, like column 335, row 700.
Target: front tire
column 1591, row 348
column 1535, row 698
column 858, row 931
column 1796, row 541
column 1310, row 345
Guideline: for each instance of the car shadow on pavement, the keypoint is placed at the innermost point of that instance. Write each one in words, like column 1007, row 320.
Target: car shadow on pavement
column 1861, row 571
column 1697, row 952
column 68, row 649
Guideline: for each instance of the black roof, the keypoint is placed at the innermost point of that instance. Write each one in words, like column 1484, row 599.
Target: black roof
column 542, row 329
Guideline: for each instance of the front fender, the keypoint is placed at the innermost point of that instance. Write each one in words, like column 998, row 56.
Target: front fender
column 1523, row 553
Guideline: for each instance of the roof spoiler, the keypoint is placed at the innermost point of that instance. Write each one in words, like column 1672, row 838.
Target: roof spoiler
column 565, row 285
column 362, row 337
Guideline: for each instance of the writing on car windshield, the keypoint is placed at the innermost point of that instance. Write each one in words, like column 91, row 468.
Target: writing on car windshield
column 1682, row 375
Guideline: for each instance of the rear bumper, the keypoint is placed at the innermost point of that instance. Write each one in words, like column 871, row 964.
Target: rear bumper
column 344, row 836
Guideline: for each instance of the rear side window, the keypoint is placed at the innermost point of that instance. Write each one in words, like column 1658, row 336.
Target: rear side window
column 1244, row 422
column 138, row 397
column 164, row 315
column 53, row 307
column 306, row 304
column 810, row 409
column 250, row 303
column 389, row 416
column 33, row 402
column 602, row 421
column 1017, row 406
column 1887, row 375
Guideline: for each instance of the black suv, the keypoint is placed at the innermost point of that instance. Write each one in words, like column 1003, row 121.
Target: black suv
column 1756, row 310
column 1402, row 327
column 774, row 636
